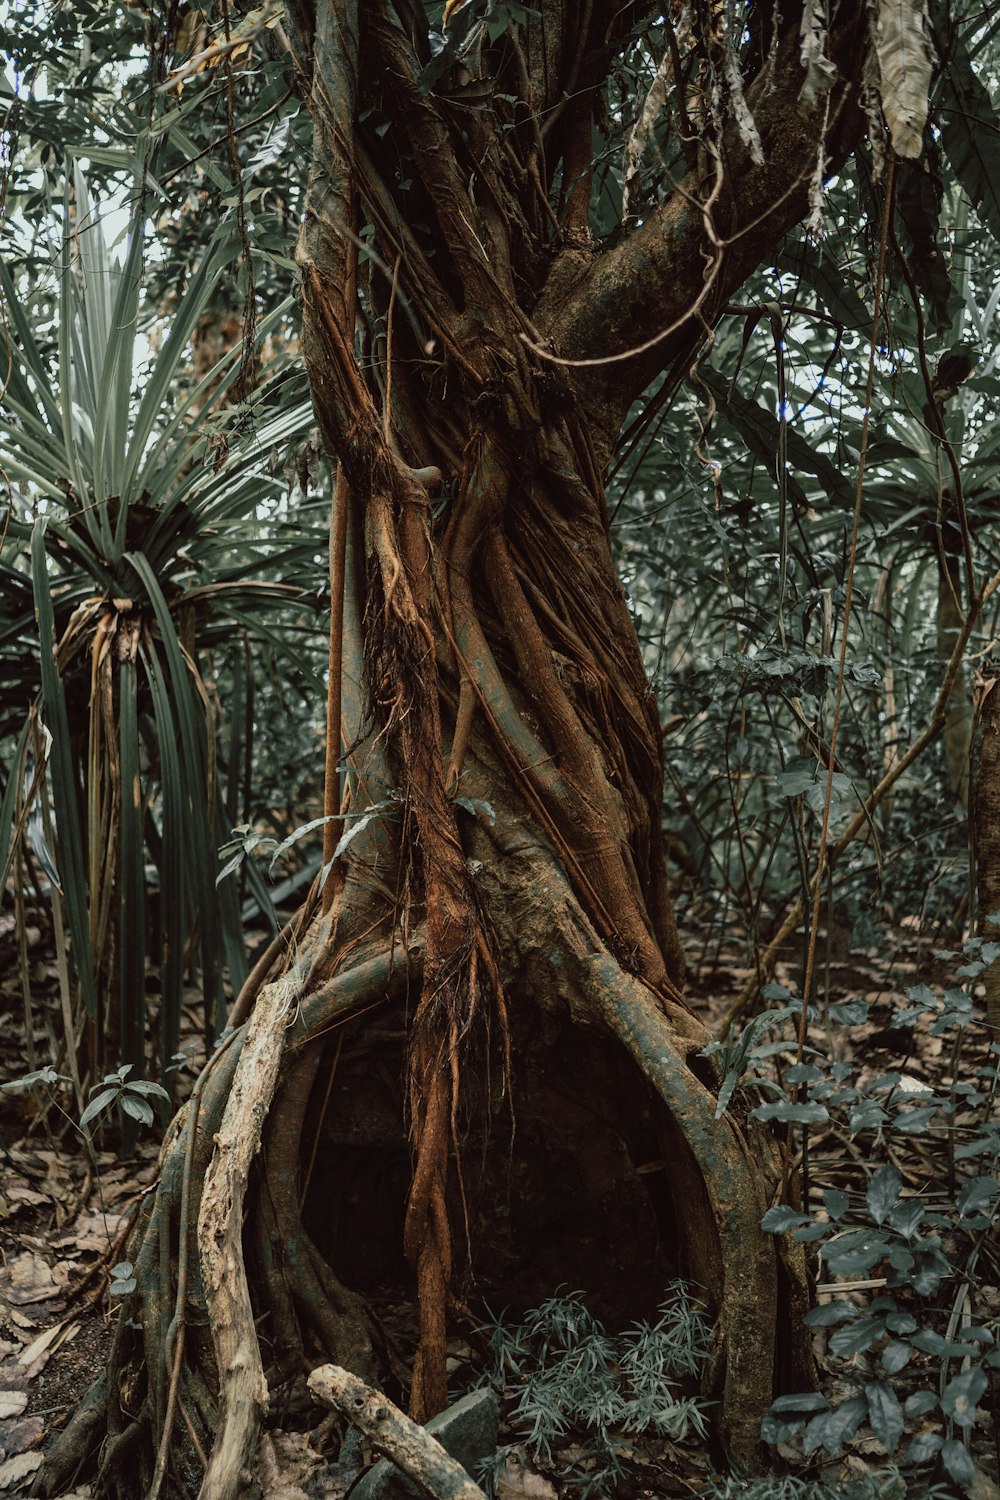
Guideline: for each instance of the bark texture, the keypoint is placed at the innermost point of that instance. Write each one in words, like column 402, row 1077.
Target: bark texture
column 987, row 830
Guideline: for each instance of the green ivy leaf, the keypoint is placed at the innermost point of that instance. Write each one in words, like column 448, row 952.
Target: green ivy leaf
column 779, row 1220
column 883, row 1191
column 962, row 1395
column 895, row 1356
column 957, row 1460
column 831, row 1429
column 885, row 1414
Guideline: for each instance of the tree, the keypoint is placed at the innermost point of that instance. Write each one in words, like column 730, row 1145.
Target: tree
column 475, row 336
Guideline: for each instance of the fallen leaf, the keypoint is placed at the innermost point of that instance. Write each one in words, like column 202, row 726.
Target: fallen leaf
column 519, row 1481
column 12, row 1403
column 18, row 1437
column 17, row 1469
column 38, row 1345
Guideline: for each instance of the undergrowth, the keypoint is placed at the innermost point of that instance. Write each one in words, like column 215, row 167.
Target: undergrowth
column 565, row 1381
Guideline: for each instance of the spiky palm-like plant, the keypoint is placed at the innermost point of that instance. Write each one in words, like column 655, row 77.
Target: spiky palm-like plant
column 145, row 527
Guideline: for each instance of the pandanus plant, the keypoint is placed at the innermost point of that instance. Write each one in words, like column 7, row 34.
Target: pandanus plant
column 146, row 526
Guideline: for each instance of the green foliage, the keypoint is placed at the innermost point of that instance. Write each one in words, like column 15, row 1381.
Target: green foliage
column 153, row 521
column 917, row 1365
column 131, row 1095
column 561, row 1376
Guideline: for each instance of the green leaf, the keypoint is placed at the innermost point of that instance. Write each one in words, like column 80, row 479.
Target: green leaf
column 920, row 1403
column 883, row 1191
column 924, row 1447
column 99, row 1104
column 137, row 1109
column 300, row 833
column 814, row 265
column 896, row 1355
column 145, row 1086
column 806, row 1401
column 357, row 826
column 976, row 1194
column 958, row 1461
column 970, row 130
column 832, row 1429
column 476, row 806
column 827, row 1314
column 779, row 1220
column 857, row 1336
column 41, row 1078
column 123, row 1279
column 962, row 1395
column 131, row 877
column 63, row 774
column 760, row 430
column 783, row 1109
column 836, row 1203
column 885, row 1414
column 855, row 1254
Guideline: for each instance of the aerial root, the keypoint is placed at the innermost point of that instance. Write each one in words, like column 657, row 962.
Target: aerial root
column 735, row 1191
column 165, row 1396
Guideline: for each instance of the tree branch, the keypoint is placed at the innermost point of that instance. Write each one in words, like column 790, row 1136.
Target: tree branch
column 674, row 273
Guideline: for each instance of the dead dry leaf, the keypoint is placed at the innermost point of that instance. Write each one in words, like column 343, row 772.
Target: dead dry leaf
column 16, row 1470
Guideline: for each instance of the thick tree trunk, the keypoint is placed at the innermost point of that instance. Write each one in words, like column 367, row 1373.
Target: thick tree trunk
column 492, row 704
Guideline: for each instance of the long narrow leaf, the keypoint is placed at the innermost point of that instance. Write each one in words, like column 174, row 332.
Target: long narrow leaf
column 64, row 784
column 970, row 128
column 199, row 846
column 174, row 906
column 8, row 802
column 760, row 431
column 131, row 931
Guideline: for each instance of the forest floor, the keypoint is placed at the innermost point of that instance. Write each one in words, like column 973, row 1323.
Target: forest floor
column 64, row 1208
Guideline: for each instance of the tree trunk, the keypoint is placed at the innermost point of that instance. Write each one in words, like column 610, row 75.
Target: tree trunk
column 987, row 830
column 492, row 707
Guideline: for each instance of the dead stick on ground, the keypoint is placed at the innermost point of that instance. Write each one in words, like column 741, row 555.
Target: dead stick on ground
column 411, row 1448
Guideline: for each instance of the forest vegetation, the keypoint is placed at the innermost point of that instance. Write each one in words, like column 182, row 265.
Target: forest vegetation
column 499, row 758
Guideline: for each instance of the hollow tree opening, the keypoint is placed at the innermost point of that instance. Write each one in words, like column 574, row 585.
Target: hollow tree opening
column 473, row 352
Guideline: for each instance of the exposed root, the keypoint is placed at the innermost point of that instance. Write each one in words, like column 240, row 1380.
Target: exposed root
column 243, row 1392
column 750, row 1279
column 185, row 1385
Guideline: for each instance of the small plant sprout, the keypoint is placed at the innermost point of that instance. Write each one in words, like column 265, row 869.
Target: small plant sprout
column 122, row 1280
column 132, row 1095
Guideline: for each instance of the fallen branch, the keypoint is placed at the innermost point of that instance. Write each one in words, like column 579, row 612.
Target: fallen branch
column 411, row 1448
